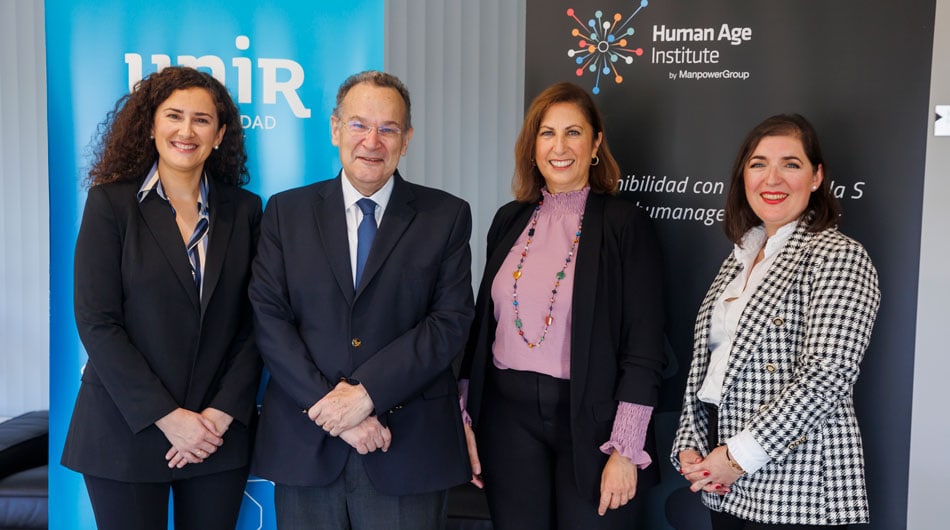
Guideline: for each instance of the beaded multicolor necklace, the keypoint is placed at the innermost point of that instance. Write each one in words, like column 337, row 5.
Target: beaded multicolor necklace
column 549, row 319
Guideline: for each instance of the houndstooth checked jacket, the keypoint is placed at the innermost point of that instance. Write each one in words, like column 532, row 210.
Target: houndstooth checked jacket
column 789, row 380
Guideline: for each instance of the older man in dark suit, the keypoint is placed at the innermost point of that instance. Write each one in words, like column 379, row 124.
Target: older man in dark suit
column 362, row 296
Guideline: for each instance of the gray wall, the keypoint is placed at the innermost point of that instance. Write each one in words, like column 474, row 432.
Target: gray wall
column 24, row 210
column 930, row 427
column 463, row 62
column 465, row 72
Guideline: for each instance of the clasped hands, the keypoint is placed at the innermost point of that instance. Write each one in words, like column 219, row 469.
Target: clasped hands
column 712, row 474
column 345, row 412
column 194, row 437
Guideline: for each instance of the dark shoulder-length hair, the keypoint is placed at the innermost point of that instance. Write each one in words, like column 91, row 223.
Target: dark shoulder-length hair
column 823, row 208
column 124, row 149
column 528, row 181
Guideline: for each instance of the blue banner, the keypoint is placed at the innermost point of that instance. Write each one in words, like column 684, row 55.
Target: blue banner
column 282, row 62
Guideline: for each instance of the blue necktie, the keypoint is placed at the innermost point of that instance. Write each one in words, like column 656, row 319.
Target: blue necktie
column 364, row 235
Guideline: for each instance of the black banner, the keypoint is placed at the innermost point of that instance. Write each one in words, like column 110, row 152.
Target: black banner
column 680, row 83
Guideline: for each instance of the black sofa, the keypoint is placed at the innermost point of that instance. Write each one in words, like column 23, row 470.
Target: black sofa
column 24, row 449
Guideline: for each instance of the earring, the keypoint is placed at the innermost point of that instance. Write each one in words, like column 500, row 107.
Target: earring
column 595, row 160
column 216, row 147
column 151, row 137
column 533, row 162
column 813, row 188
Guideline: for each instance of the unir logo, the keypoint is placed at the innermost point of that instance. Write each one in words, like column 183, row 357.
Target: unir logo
column 270, row 70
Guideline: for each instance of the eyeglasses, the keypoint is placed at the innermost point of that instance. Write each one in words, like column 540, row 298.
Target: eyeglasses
column 358, row 128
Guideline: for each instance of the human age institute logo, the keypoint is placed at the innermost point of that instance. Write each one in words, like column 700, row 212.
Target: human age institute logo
column 603, row 44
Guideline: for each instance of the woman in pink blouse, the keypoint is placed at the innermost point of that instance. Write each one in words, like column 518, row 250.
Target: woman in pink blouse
column 562, row 368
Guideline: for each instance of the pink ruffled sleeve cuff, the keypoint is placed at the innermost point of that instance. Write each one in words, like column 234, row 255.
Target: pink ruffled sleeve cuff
column 463, row 401
column 629, row 433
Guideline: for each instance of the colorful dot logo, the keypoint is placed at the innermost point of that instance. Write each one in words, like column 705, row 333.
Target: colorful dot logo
column 603, row 45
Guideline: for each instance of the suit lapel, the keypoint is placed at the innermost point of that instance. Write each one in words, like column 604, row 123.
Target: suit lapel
column 758, row 314
column 222, row 221
column 509, row 234
column 585, row 287
column 396, row 219
column 161, row 223
column 329, row 213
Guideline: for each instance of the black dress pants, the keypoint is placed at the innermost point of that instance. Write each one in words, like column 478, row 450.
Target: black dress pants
column 207, row 502
column 524, row 442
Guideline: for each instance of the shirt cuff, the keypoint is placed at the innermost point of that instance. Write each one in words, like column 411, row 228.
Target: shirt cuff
column 747, row 452
column 629, row 433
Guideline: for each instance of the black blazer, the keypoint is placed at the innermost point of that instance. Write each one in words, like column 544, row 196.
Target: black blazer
column 617, row 325
column 153, row 346
column 397, row 334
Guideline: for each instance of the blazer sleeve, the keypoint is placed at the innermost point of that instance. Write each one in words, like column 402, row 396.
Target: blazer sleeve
column 98, row 302
column 287, row 357
column 237, row 389
column 692, row 430
column 409, row 363
column 840, row 314
column 641, row 356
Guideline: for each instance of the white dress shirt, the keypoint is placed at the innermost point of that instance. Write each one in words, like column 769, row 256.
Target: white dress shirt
column 722, row 330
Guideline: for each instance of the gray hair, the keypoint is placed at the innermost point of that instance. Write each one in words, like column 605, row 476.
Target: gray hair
column 375, row 78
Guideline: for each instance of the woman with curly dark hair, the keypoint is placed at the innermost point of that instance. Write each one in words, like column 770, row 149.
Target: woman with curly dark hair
column 161, row 271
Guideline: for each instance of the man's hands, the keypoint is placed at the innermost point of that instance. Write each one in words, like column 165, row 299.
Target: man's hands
column 368, row 436
column 345, row 412
column 342, row 408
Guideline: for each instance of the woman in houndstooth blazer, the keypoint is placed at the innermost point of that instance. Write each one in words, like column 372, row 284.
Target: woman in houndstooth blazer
column 768, row 431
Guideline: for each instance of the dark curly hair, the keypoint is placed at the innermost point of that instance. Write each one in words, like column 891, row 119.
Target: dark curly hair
column 823, row 206
column 528, row 181
column 124, row 151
